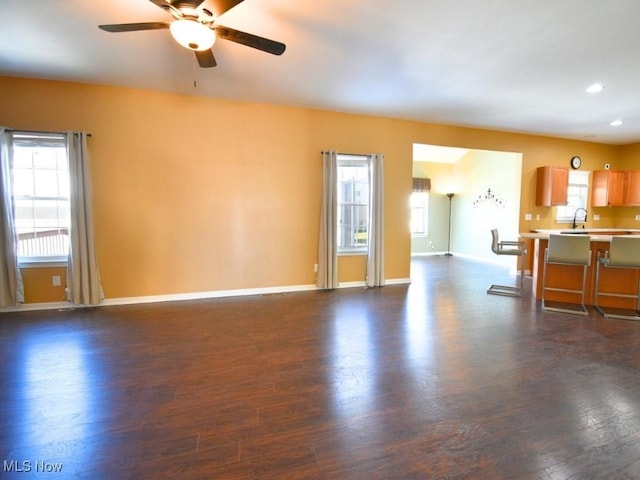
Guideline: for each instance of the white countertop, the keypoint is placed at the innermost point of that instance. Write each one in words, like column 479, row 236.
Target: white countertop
column 596, row 234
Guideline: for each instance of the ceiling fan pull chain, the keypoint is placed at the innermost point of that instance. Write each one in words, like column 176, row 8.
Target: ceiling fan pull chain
column 195, row 82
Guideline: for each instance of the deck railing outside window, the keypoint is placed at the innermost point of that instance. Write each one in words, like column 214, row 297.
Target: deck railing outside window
column 46, row 243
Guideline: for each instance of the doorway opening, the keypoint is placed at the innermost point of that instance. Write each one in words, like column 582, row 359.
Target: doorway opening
column 486, row 188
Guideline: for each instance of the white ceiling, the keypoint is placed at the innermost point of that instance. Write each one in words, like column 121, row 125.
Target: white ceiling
column 437, row 154
column 514, row 65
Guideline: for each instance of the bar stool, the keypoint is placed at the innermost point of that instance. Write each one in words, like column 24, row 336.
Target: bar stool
column 624, row 252
column 513, row 248
column 567, row 250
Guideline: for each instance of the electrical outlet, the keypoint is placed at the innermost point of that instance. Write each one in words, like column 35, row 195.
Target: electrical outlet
column 527, row 216
column 637, row 218
column 596, row 217
column 55, row 280
column 315, row 268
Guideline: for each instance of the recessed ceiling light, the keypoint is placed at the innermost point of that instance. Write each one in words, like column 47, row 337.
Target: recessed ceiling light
column 595, row 88
column 616, row 123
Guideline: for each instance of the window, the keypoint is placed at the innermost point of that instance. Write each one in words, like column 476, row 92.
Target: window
column 40, row 169
column 353, row 203
column 419, row 213
column 577, row 196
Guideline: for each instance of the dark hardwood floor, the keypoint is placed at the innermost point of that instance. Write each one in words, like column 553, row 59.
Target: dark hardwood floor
column 428, row 381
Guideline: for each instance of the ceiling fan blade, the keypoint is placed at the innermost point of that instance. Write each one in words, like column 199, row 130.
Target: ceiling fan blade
column 205, row 58
column 250, row 40
column 221, row 6
column 134, row 27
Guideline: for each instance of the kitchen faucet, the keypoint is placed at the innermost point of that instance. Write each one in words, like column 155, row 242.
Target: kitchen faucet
column 574, row 225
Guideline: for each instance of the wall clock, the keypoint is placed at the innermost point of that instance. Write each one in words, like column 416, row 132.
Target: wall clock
column 576, row 162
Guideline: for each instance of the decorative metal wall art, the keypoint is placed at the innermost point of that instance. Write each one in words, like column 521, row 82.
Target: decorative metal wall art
column 489, row 199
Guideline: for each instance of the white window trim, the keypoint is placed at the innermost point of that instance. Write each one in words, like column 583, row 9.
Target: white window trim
column 57, row 140
column 43, row 262
column 425, row 206
column 345, row 160
column 353, row 251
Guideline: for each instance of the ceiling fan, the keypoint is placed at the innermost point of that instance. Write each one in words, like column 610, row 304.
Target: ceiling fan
column 195, row 29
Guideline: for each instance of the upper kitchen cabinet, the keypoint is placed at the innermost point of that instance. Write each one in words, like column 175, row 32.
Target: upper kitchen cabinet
column 632, row 188
column 552, row 184
column 608, row 188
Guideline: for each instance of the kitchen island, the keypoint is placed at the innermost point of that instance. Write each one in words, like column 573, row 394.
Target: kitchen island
column 570, row 277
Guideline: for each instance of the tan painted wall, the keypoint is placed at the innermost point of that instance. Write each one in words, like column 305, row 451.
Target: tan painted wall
column 197, row 194
column 39, row 284
column 630, row 157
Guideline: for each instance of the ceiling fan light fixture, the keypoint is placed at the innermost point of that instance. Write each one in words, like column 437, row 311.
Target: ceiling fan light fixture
column 192, row 34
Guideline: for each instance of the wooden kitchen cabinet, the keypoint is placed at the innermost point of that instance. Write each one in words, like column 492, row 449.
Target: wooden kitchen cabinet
column 552, row 184
column 632, row 188
column 608, row 188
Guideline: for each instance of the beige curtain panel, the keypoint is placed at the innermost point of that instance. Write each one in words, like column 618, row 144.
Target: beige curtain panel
column 11, row 288
column 83, row 276
column 328, row 244
column 375, row 252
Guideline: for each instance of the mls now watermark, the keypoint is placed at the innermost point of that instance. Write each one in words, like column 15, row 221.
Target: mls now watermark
column 39, row 466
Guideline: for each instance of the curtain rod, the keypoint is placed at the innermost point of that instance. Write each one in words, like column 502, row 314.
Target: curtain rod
column 38, row 132
column 352, row 154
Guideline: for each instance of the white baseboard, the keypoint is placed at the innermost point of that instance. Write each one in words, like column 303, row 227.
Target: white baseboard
column 397, row 281
column 179, row 297
column 29, row 307
column 362, row 284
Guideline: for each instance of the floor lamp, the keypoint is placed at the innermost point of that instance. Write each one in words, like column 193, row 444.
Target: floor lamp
column 448, row 254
